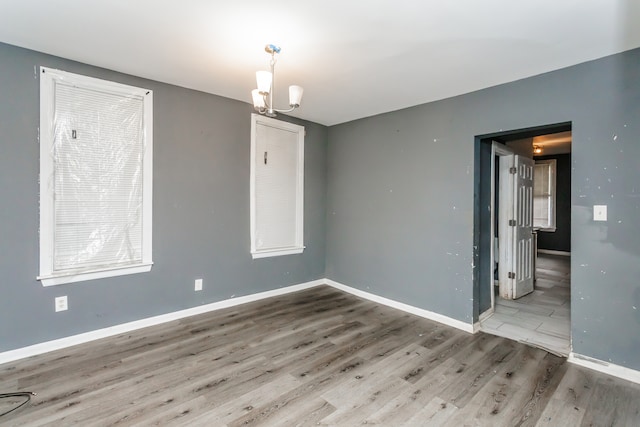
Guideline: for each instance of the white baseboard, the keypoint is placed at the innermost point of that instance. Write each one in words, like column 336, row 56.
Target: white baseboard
column 467, row 327
column 605, row 367
column 552, row 252
column 45, row 347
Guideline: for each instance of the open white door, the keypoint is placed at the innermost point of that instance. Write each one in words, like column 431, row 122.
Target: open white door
column 524, row 247
column 517, row 276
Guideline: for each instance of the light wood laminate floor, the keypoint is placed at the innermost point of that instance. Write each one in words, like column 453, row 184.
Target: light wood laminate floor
column 316, row 357
column 542, row 318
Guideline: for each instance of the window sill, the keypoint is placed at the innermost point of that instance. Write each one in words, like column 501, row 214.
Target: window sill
column 276, row 252
column 80, row 276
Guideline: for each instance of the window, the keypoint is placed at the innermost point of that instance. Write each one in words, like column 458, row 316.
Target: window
column 277, row 183
column 95, row 178
column 544, row 195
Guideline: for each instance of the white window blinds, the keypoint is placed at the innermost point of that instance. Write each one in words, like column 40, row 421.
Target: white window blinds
column 95, row 178
column 98, row 148
column 544, row 189
column 276, row 187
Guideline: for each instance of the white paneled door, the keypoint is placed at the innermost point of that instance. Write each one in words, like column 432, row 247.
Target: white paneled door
column 523, row 250
column 516, row 227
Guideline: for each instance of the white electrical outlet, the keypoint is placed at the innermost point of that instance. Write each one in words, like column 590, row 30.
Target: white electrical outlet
column 198, row 284
column 61, row 303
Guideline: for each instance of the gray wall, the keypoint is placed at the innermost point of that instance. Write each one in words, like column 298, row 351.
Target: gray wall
column 400, row 206
column 200, row 202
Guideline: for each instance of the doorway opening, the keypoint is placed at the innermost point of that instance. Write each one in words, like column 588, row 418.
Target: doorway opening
column 522, row 277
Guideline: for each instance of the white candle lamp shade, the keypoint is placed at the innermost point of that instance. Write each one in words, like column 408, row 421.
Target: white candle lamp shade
column 295, row 95
column 258, row 99
column 264, row 79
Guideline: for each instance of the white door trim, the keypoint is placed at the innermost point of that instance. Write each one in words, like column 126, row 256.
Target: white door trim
column 499, row 150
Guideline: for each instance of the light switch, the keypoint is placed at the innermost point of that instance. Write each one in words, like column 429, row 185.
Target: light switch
column 599, row 212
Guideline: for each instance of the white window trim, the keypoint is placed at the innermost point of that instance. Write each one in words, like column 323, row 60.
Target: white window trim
column 48, row 79
column 553, row 184
column 299, row 239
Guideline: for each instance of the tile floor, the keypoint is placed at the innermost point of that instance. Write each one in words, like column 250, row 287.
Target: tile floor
column 542, row 318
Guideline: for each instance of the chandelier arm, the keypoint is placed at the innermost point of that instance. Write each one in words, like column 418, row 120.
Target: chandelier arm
column 284, row 111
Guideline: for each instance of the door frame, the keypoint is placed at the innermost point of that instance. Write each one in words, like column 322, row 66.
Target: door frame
column 481, row 229
column 505, row 202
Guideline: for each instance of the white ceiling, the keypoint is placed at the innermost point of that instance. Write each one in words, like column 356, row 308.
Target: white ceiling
column 353, row 58
column 554, row 143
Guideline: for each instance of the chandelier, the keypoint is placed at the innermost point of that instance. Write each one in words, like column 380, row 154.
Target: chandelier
column 263, row 95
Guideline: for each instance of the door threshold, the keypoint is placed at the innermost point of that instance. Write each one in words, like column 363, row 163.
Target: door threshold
column 557, row 346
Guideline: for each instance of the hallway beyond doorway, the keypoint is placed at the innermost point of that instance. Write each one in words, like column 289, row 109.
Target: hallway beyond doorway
column 542, row 318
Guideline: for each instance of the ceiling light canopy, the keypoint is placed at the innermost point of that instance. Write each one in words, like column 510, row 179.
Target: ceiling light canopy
column 537, row 149
column 263, row 95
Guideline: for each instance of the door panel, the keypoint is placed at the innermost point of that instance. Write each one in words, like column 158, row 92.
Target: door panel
column 516, row 227
column 505, row 231
column 523, row 233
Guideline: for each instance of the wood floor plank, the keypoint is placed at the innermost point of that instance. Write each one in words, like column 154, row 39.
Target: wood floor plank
column 472, row 378
column 315, row 357
column 436, row 413
column 423, row 394
column 500, row 398
column 211, row 412
column 613, row 403
column 531, row 399
column 366, row 400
